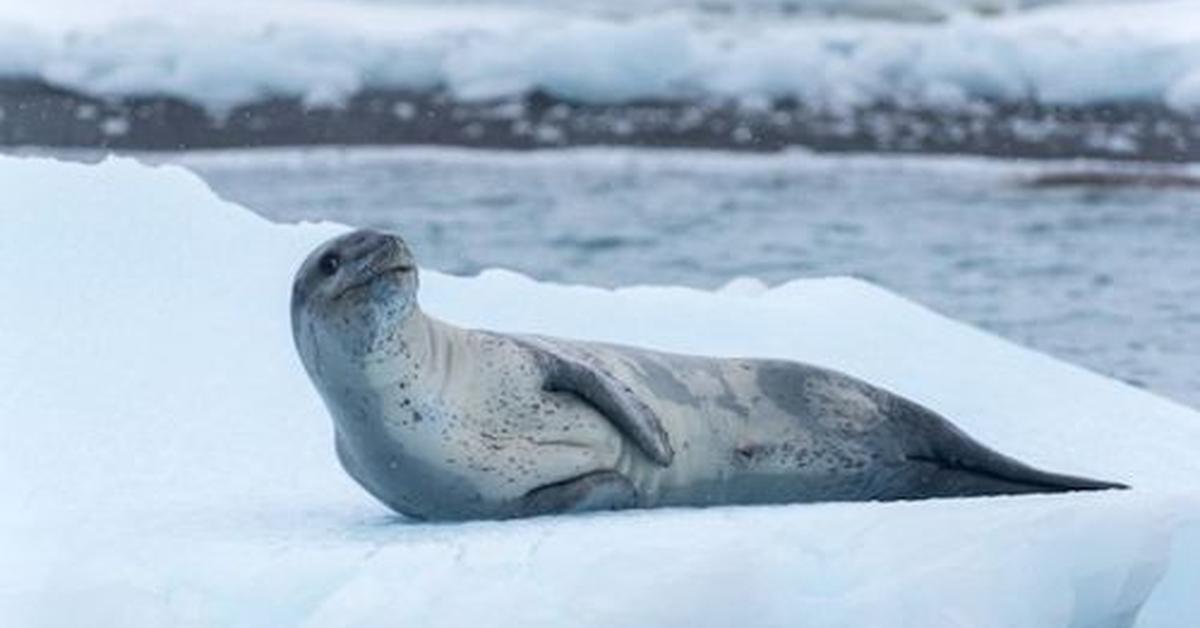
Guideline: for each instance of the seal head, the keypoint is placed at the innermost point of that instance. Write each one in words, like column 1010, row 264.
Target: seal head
column 350, row 291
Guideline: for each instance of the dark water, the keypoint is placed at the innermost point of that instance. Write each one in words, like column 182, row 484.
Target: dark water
column 1107, row 276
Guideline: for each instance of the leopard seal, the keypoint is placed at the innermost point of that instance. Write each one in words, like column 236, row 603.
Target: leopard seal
column 444, row 423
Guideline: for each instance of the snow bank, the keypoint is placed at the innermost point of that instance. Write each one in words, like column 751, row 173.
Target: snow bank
column 222, row 54
column 165, row 461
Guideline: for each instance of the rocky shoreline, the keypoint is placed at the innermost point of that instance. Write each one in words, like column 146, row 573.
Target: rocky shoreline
column 34, row 113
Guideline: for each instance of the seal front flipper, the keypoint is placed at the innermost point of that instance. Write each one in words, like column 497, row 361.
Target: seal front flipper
column 602, row 490
column 575, row 373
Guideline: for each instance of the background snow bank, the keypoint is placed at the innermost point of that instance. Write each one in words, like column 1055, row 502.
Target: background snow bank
column 165, row 461
column 221, row 54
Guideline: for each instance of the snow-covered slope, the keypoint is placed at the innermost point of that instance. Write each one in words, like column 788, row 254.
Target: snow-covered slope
column 165, row 462
column 225, row 53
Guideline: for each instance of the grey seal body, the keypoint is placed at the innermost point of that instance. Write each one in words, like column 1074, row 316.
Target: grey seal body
column 440, row 422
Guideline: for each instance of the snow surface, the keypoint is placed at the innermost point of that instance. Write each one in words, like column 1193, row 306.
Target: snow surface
column 165, row 462
column 224, row 53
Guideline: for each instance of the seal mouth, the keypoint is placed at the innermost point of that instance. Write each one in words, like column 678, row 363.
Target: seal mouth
column 395, row 269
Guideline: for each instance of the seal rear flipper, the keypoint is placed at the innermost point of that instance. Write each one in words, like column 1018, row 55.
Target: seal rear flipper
column 952, row 464
column 601, row 490
column 940, row 460
column 993, row 475
column 595, row 385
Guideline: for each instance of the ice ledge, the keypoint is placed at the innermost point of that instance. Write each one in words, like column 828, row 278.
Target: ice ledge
column 165, row 462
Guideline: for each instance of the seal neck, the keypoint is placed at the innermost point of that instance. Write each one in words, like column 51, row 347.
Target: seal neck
column 419, row 350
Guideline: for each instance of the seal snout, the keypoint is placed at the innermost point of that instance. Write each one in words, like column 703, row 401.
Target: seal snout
column 381, row 253
column 366, row 256
column 368, row 245
column 387, row 253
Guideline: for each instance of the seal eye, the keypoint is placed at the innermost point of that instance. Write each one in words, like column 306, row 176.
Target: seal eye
column 329, row 263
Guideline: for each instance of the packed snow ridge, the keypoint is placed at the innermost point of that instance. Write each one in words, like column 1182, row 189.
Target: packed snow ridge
column 224, row 54
column 165, row 462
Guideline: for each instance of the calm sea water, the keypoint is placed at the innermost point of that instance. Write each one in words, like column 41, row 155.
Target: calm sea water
column 1107, row 276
